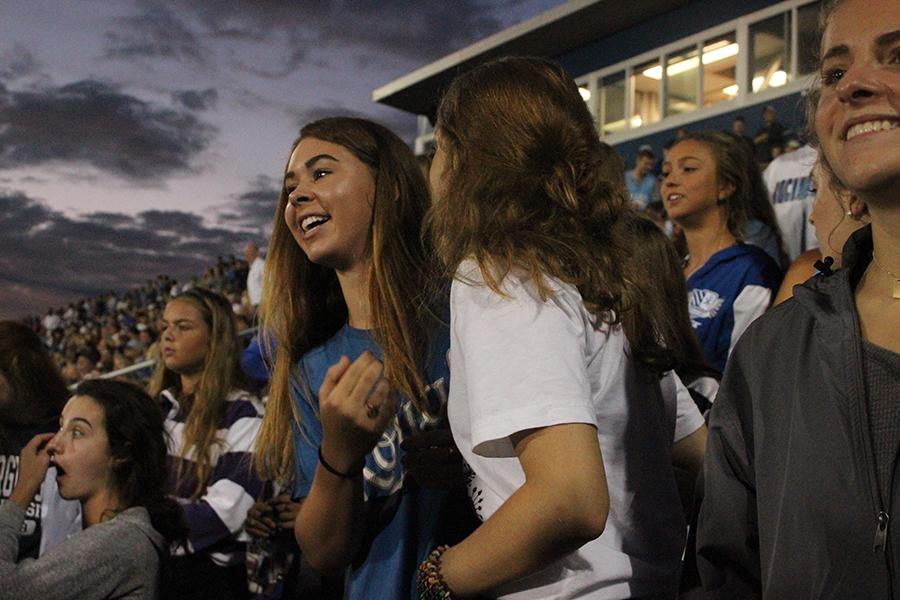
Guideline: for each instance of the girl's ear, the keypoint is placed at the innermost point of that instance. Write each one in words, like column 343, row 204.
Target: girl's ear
column 857, row 207
column 725, row 191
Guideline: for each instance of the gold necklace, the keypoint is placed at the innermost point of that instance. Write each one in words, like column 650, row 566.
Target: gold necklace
column 896, row 291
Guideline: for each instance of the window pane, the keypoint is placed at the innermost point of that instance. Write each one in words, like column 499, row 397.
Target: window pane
column 807, row 38
column 645, row 84
column 681, row 81
column 719, row 79
column 611, row 104
column 770, row 52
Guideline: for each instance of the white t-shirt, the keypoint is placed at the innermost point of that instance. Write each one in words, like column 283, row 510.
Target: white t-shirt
column 789, row 183
column 519, row 363
column 255, row 281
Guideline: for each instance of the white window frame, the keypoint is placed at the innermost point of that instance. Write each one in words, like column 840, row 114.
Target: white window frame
column 745, row 97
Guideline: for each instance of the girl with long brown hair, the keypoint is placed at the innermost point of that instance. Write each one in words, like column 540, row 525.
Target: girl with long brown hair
column 708, row 189
column 350, row 311
column 567, row 430
column 213, row 421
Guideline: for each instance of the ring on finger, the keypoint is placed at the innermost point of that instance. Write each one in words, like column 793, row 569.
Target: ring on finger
column 372, row 411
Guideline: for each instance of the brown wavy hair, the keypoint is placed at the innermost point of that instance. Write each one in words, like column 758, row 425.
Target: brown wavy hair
column 302, row 302
column 524, row 187
column 221, row 375
column 36, row 389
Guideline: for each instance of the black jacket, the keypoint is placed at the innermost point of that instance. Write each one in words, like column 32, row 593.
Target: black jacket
column 791, row 507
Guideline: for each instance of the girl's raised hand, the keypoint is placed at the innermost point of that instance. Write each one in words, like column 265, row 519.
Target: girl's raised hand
column 34, row 461
column 355, row 406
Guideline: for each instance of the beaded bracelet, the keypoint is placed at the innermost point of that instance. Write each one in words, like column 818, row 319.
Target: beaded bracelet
column 354, row 472
column 429, row 581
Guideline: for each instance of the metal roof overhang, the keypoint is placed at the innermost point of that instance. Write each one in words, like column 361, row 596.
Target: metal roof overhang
column 552, row 33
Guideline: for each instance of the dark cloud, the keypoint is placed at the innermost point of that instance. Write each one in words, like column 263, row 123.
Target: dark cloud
column 254, row 209
column 48, row 259
column 90, row 122
column 17, row 62
column 410, row 31
column 196, row 99
column 155, row 33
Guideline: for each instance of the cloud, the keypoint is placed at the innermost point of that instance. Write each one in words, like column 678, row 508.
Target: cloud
column 17, row 62
column 94, row 123
column 254, row 209
column 197, row 100
column 154, row 33
column 48, row 259
column 277, row 38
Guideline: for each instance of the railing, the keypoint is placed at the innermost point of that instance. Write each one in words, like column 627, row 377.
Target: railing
column 149, row 363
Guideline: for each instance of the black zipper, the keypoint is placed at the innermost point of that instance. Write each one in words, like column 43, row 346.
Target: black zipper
column 882, row 517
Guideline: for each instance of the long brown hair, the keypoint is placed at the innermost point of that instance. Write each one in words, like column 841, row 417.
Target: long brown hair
column 523, row 185
column 36, row 389
column 221, row 374
column 662, row 295
column 303, row 305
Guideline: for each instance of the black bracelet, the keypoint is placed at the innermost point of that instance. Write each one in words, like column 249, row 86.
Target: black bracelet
column 355, row 472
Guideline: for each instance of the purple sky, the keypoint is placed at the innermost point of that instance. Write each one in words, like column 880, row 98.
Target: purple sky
column 142, row 137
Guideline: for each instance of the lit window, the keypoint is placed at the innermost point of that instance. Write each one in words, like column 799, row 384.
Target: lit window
column 770, row 52
column 682, row 69
column 719, row 79
column 611, row 104
column 645, row 85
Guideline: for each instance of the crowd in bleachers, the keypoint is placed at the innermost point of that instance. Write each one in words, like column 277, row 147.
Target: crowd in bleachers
column 528, row 372
column 115, row 330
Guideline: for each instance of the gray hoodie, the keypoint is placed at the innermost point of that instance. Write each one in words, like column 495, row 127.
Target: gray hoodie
column 118, row 558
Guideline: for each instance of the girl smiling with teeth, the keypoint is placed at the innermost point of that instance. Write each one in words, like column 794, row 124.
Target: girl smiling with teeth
column 349, row 305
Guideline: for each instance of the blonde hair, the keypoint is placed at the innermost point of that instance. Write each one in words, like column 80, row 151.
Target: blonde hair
column 221, row 373
column 303, row 305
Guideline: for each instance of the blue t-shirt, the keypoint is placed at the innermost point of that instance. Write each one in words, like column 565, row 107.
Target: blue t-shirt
column 715, row 303
column 403, row 520
column 641, row 192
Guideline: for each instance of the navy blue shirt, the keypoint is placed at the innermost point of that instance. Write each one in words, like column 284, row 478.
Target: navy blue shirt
column 726, row 294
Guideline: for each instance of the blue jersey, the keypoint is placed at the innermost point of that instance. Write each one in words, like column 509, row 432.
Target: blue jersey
column 734, row 287
column 403, row 520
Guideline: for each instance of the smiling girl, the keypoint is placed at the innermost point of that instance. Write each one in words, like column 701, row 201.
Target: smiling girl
column 213, row 422
column 802, row 468
column 110, row 455
column 706, row 190
column 349, row 306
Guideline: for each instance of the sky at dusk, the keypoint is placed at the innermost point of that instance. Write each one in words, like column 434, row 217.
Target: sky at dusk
column 140, row 137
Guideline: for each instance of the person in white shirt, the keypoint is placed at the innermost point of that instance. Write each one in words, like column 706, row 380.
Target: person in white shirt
column 254, row 275
column 788, row 180
column 569, row 423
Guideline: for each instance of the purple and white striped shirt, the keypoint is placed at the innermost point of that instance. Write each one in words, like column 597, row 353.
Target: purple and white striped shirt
column 216, row 518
